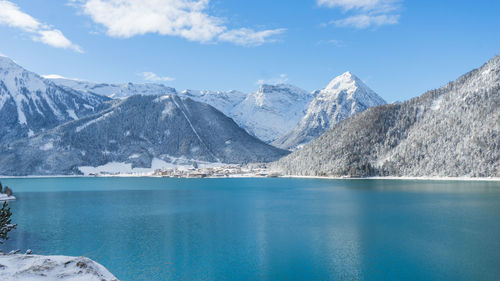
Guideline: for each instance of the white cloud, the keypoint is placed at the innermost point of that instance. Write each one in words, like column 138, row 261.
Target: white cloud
column 333, row 42
column 281, row 79
column 151, row 76
column 367, row 12
column 188, row 19
column 248, row 37
column 365, row 21
column 56, row 38
column 365, row 5
column 11, row 15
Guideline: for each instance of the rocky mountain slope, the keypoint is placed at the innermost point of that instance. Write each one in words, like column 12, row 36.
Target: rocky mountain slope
column 30, row 104
column 137, row 130
column 452, row 131
column 344, row 96
column 115, row 91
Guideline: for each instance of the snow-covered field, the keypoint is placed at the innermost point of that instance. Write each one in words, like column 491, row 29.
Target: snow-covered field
column 34, row 267
column 126, row 169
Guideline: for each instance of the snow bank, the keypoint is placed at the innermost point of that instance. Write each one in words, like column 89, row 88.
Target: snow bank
column 5, row 197
column 35, row 267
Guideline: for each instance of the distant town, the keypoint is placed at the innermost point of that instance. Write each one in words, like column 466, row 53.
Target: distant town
column 216, row 172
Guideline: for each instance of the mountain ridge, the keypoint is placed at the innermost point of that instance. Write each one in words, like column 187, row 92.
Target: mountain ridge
column 344, row 95
column 137, row 130
column 452, row 131
column 30, row 104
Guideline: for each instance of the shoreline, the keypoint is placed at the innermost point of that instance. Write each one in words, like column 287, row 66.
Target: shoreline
column 425, row 178
column 493, row 179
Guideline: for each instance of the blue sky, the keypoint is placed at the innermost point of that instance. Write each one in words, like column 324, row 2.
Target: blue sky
column 399, row 48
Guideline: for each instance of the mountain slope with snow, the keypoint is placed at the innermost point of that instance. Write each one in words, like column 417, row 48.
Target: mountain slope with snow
column 137, row 131
column 115, row 91
column 223, row 101
column 453, row 131
column 272, row 111
column 267, row 114
column 30, row 104
column 344, row 96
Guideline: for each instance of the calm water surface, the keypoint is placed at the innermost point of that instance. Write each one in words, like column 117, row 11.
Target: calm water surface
column 264, row 229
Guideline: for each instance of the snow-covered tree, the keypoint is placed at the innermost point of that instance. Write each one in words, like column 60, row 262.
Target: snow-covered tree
column 6, row 224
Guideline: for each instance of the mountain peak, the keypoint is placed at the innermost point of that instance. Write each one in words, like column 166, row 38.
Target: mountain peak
column 8, row 63
column 348, row 74
column 344, row 96
column 345, row 81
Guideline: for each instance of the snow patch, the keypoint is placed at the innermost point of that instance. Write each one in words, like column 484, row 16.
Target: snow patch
column 35, row 267
column 124, row 168
column 88, row 106
column 72, row 114
column 5, row 197
column 53, row 76
column 47, row 146
column 169, row 110
column 437, row 103
column 79, row 128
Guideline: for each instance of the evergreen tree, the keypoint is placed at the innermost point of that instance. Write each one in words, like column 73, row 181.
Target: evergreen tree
column 5, row 222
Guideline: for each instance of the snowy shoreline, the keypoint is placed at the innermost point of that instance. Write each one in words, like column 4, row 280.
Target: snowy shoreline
column 401, row 178
column 5, row 197
column 41, row 267
column 493, row 179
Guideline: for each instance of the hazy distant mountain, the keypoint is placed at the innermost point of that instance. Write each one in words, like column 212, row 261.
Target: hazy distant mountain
column 344, row 96
column 451, row 131
column 115, row 90
column 137, row 130
column 30, row 104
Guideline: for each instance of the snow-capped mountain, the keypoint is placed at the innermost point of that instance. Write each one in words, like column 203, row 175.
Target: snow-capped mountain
column 139, row 131
column 344, row 96
column 272, row 111
column 267, row 113
column 30, row 104
column 223, row 101
column 115, row 91
column 453, row 131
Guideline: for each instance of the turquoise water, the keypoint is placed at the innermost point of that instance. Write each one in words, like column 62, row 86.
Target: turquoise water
column 264, row 229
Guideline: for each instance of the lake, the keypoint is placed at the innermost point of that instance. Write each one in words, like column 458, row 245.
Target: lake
column 264, row 228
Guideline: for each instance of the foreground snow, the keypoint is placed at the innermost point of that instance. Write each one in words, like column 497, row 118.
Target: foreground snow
column 35, row 267
column 5, row 197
